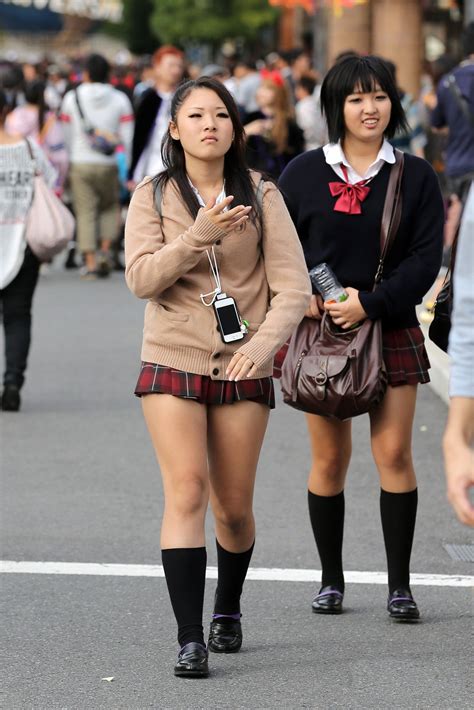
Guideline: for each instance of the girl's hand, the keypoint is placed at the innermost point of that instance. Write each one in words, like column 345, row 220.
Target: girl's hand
column 239, row 367
column 347, row 313
column 227, row 221
column 315, row 308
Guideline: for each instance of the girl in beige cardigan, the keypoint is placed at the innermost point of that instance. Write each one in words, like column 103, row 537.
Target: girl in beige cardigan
column 208, row 422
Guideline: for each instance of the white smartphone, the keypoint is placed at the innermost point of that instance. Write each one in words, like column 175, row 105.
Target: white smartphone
column 228, row 319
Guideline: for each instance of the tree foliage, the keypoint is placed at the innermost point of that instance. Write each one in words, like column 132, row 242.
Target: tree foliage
column 210, row 21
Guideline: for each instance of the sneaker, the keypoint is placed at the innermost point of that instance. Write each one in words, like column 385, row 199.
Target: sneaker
column 87, row 274
column 103, row 266
column 11, row 399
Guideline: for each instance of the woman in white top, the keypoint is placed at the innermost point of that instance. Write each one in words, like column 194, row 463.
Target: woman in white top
column 19, row 267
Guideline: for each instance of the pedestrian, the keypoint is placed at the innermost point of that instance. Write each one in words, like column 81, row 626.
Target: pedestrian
column 19, row 266
column 96, row 118
column 153, row 114
column 308, row 113
column 454, row 110
column 459, row 434
column 206, row 402
column 340, row 225
column 273, row 136
column 34, row 120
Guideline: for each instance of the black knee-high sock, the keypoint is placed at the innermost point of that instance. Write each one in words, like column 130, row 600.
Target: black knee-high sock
column 185, row 572
column 232, row 569
column 398, row 512
column 327, row 520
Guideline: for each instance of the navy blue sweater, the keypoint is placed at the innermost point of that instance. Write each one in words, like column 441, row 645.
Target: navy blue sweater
column 350, row 244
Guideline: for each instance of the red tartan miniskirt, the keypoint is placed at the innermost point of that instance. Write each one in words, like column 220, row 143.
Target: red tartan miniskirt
column 158, row 379
column 404, row 354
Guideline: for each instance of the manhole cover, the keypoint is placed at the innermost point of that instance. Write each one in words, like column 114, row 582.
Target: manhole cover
column 460, row 553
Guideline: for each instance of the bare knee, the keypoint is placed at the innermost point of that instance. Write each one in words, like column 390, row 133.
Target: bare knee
column 234, row 518
column 331, row 465
column 189, row 495
column 395, row 457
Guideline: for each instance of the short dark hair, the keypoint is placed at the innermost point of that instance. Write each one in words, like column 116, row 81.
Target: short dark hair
column 359, row 72
column 98, row 68
column 307, row 83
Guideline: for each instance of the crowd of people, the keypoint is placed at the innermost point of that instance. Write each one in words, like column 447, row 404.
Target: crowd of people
column 196, row 154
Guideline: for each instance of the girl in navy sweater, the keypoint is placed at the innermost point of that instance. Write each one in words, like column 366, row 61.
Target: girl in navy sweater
column 336, row 197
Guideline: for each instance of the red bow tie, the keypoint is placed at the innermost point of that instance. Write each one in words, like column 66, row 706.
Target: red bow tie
column 350, row 196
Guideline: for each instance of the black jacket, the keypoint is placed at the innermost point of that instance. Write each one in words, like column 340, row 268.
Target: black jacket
column 145, row 118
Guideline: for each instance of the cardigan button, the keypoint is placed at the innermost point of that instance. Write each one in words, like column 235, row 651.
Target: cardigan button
column 219, row 242
column 215, row 371
column 216, row 356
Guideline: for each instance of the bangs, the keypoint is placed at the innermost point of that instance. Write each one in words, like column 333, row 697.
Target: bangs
column 365, row 78
column 359, row 75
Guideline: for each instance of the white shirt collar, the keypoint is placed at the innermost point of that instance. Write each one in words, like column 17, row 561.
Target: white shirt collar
column 221, row 196
column 335, row 156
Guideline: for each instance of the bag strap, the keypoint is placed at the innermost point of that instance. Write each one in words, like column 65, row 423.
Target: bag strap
column 85, row 123
column 463, row 105
column 392, row 212
column 32, row 156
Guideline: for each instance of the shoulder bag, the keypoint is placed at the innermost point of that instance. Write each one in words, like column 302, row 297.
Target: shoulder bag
column 49, row 225
column 341, row 373
column 101, row 141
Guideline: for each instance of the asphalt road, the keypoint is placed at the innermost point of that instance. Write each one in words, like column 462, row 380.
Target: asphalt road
column 80, row 485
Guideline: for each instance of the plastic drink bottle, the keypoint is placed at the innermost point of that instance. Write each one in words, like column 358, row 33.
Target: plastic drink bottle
column 325, row 282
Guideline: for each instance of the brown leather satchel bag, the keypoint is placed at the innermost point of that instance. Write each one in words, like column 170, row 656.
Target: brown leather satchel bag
column 341, row 373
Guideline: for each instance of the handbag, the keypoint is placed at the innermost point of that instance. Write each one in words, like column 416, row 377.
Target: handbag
column 440, row 326
column 341, row 373
column 103, row 142
column 49, row 224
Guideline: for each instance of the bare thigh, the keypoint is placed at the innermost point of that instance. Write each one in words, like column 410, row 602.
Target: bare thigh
column 178, row 430
column 391, row 426
column 331, row 447
column 235, row 437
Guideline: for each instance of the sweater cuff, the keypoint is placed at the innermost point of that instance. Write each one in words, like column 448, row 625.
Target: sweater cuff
column 257, row 353
column 203, row 231
column 372, row 303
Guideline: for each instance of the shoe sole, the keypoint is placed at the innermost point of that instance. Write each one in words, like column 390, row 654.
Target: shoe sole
column 329, row 612
column 406, row 619
column 191, row 674
column 215, row 649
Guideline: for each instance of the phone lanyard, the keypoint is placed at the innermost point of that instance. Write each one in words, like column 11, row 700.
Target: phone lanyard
column 211, row 255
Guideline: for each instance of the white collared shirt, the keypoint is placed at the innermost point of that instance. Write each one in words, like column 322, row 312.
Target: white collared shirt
column 335, row 156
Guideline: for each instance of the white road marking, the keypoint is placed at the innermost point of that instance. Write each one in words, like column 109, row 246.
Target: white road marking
column 255, row 573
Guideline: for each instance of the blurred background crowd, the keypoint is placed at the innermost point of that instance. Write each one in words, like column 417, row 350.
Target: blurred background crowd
column 114, row 68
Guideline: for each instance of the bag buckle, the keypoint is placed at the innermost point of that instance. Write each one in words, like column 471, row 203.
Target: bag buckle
column 321, row 379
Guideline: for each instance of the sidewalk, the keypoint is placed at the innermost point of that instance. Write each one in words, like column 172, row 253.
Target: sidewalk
column 439, row 372
column 440, row 363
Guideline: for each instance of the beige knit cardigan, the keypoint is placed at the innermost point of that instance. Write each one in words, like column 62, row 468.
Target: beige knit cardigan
column 166, row 263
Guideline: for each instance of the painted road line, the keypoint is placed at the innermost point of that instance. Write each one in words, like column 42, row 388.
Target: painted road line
column 255, row 573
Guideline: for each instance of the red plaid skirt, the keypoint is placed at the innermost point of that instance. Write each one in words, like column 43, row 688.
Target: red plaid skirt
column 404, row 354
column 159, row 379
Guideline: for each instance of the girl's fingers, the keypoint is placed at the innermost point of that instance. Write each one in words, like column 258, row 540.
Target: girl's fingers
column 212, row 208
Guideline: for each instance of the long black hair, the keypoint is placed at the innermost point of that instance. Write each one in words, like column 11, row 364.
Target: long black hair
column 238, row 181
column 34, row 94
column 363, row 74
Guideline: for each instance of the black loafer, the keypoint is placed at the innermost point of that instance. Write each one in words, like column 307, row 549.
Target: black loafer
column 192, row 661
column 11, row 398
column 328, row 601
column 225, row 636
column 401, row 606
